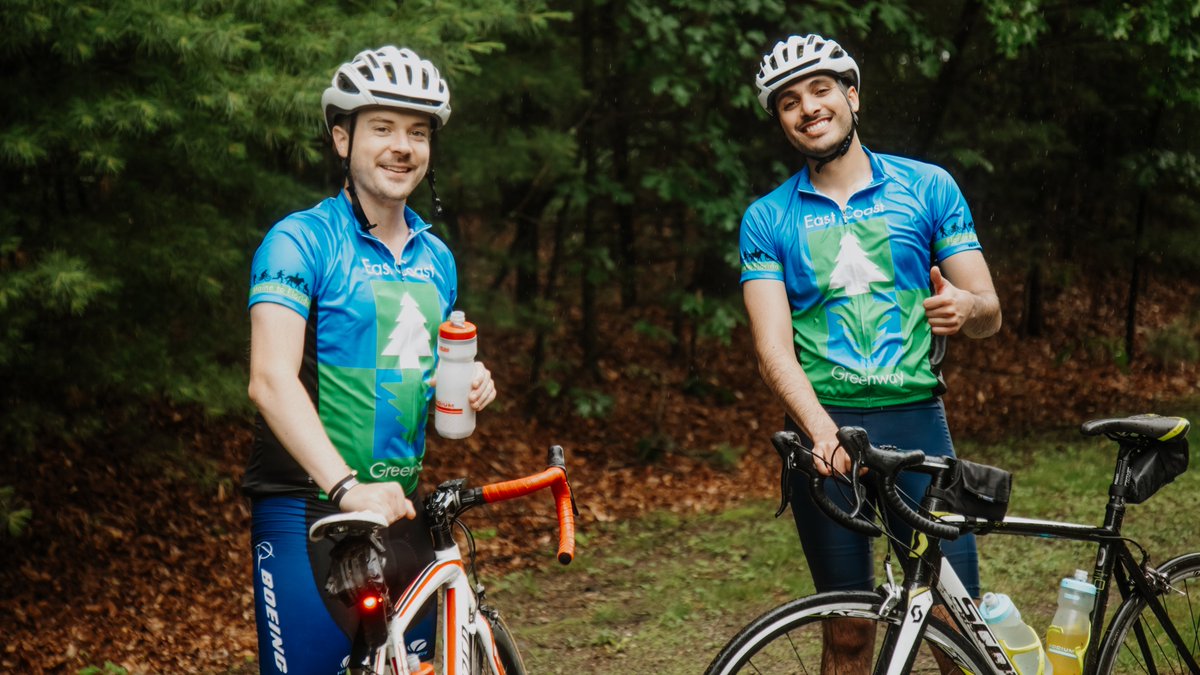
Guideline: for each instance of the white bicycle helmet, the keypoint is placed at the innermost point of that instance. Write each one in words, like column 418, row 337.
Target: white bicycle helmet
column 390, row 78
column 801, row 56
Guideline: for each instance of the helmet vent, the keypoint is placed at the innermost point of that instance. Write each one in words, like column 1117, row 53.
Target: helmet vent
column 346, row 85
column 391, row 73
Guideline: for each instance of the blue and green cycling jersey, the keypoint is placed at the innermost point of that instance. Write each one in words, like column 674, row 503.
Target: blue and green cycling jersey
column 856, row 277
column 371, row 341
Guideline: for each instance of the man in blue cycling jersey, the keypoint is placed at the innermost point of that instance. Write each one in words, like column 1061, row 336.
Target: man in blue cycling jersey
column 850, row 270
column 345, row 302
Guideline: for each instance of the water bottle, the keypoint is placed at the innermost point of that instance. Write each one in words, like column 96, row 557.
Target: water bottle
column 1067, row 637
column 1018, row 640
column 452, row 413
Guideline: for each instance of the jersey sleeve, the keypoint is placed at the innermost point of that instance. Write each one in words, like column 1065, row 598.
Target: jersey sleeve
column 285, row 267
column 759, row 254
column 953, row 226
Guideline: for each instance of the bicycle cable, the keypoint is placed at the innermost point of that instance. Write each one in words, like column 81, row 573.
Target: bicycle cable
column 471, row 571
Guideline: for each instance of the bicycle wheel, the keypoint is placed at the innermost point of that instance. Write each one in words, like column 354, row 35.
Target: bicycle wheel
column 1126, row 649
column 506, row 647
column 788, row 639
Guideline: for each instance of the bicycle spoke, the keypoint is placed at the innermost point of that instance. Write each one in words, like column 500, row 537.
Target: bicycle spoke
column 1146, row 645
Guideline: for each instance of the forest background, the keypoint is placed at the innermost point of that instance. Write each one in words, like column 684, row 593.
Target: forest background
column 594, row 174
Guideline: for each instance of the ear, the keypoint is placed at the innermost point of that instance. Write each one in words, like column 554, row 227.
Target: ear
column 341, row 140
column 852, row 97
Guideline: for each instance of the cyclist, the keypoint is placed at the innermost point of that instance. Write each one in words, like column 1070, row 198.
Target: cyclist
column 849, row 268
column 345, row 301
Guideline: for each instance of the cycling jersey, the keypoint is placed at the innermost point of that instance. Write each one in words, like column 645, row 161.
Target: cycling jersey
column 370, row 346
column 856, row 277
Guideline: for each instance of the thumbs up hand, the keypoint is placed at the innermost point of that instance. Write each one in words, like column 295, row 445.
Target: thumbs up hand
column 949, row 307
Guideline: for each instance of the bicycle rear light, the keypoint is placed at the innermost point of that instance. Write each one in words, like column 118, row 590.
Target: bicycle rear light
column 371, row 601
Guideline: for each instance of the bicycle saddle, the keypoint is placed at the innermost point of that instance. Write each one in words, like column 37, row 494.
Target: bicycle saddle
column 1149, row 427
column 341, row 525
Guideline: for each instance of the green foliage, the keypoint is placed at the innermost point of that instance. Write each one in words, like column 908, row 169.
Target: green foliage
column 1177, row 343
column 15, row 513
column 590, row 403
column 715, row 318
column 147, row 147
column 150, row 144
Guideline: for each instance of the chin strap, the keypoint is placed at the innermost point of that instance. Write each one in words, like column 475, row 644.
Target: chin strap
column 842, row 148
column 437, row 203
column 355, row 206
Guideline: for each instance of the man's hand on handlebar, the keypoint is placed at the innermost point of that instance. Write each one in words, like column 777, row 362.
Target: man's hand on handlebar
column 386, row 499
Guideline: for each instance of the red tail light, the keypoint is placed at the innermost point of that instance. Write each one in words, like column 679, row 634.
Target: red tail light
column 370, row 602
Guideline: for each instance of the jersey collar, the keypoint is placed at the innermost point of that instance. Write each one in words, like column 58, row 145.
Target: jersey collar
column 878, row 176
column 416, row 225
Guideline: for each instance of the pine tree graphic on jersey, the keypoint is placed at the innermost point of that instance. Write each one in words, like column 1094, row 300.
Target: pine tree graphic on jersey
column 853, row 272
column 409, row 342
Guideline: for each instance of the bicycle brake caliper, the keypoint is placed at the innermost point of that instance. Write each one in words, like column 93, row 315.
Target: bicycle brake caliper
column 892, row 592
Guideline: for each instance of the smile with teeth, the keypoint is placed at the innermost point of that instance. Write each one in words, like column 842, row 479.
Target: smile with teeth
column 816, row 126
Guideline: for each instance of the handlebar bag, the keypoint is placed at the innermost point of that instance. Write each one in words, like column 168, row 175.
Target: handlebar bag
column 1154, row 467
column 978, row 490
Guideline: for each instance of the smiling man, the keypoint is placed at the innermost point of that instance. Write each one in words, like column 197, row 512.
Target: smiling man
column 851, row 269
column 345, row 302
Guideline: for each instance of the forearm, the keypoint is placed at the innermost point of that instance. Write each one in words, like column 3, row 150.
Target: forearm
column 785, row 377
column 984, row 319
column 290, row 414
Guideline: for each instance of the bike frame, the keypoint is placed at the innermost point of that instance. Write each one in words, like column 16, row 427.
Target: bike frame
column 1113, row 558
column 459, row 612
column 462, row 617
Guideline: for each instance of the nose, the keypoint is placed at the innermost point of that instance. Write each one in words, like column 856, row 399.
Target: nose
column 811, row 105
column 400, row 144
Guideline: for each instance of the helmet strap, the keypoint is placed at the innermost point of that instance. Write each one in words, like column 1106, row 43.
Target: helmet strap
column 437, row 203
column 355, row 204
column 844, row 146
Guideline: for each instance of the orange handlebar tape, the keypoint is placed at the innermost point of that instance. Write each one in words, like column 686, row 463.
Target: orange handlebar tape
column 566, row 522
column 555, row 478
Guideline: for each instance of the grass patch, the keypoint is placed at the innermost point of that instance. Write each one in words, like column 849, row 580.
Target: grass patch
column 663, row 593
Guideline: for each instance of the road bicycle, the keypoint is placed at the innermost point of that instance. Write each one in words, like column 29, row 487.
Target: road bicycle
column 930, row 622
column 474, row 637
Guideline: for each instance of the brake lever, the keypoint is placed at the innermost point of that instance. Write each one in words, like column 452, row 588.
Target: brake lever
column 785, row 481
column 860, row 490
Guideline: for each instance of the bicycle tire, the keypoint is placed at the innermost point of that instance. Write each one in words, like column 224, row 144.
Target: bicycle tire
column 506, row 647
column 787, row 639
column 1121, row 652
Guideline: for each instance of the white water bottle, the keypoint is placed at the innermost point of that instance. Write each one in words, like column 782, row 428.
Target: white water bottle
column 1067, row 637
column 1018, row 640
column 452, row 413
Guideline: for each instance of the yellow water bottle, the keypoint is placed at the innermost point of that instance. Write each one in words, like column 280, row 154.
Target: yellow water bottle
column 1067, row 637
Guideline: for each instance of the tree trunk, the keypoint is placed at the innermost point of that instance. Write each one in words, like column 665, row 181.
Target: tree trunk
column 588, row 324
column 943, row 91
column 1139, row 230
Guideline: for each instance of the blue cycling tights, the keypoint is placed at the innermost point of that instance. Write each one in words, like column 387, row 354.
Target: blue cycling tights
column 301, row 629
column 842, row 560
